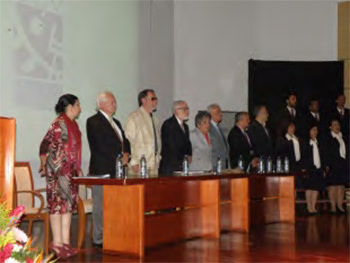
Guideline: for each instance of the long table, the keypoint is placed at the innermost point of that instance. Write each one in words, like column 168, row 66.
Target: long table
column 146, row 212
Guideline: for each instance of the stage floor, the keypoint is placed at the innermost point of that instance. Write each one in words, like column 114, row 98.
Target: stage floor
column 323, row 238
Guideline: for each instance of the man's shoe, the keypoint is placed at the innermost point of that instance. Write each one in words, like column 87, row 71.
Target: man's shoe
column 96, row 245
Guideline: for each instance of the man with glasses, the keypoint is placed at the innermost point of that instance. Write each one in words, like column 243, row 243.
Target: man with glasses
column 218, row 139
column 175, row 140
column 142, row 131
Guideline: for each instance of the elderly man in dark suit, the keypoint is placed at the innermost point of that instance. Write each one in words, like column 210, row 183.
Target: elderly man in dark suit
column 106, row 140
column 218, row 139
column 175, row 140
column 240, row 142
column 260, row 136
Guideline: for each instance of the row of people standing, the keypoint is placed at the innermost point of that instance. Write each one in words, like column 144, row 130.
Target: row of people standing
column 60, row 151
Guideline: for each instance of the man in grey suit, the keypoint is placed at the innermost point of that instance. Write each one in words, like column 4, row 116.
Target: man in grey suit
column 218, row 139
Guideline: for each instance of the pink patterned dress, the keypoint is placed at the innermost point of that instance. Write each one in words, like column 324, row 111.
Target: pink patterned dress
column 62, row 145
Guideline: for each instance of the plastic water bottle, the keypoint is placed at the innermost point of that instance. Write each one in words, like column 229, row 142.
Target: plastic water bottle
column 241, row 163
column 261, row 165
column 143, row 166
column 185, row 165
column 286, row 165
column 279, row 165
column 119, row 166
column 269, row 165
column 219, row 165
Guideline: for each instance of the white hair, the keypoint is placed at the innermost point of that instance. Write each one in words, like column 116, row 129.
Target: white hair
column 213, row 107
column 102, row 97
column 177, row 103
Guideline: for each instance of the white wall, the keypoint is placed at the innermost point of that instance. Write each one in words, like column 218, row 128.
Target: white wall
column 98, row 50
column 213, row 41
column 156, row 52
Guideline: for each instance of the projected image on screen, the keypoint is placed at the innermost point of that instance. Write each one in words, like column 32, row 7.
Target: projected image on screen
column 38, row 56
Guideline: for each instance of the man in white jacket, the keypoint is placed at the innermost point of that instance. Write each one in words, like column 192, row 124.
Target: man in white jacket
column 142, row 130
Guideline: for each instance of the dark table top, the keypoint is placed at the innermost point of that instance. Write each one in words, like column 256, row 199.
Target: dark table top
column 136, row 179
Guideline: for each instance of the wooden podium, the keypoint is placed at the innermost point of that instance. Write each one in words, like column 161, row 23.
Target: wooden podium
column 146, row 212
column 7, row 159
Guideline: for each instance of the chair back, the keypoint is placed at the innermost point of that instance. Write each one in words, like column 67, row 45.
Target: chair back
column 83, row 194
column 24, row 182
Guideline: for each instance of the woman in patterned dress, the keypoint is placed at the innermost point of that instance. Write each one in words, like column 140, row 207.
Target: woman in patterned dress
column 60, row 156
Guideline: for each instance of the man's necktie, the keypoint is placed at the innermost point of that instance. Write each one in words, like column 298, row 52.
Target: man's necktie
column 222, row 136
column 155, row 135
column 317, row 117
column 247, row 137
column 117, row 133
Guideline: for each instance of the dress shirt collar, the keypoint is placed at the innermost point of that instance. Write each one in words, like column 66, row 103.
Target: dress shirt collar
column 106, row 115
column 181, row 123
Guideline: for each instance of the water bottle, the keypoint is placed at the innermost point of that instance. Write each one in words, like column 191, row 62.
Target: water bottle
column 286, row 165
column 143, row 166
column 269, row 165
column 261, row 165
column 119, row 166
column 185, row 166
column 219, row 165
column 241, row 163
column 279, row 165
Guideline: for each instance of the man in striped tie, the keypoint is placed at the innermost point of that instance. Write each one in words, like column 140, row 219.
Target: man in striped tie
column 106, row 141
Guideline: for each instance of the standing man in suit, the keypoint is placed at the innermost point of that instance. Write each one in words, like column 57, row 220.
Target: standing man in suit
column 260, row 136
column 312, row 117
column 143, row 132
column 218, row 140
column 240, row 143
column 342, row 115
column 175, row 139
column 106, row 141
column 287, row 115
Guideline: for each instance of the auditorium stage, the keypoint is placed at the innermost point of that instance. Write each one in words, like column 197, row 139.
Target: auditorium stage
column 323, row 238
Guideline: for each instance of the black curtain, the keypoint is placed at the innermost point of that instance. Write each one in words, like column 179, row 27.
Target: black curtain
column 271, row 81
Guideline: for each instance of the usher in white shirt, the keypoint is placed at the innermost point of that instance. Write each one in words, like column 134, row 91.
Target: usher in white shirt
column 115, row 126
column 315, row 153
column 342, row 149
column 296, row 146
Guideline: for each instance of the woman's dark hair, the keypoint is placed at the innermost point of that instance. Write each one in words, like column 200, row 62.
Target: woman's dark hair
column 333, row 120
column 64, row 101
column 285, row 129
column 200, row 116
column 311, row 126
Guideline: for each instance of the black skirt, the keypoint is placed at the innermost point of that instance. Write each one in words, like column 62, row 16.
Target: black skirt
column 315, row 180
column 338, row 174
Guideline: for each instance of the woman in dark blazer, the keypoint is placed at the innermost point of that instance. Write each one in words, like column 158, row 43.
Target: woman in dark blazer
column 289, row 145
column 312, row 163
column 337, row 166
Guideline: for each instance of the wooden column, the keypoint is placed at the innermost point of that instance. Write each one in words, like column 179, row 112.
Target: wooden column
column 7, row 159
column 344, row 44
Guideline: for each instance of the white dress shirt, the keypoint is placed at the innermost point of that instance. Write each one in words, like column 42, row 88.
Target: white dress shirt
column 296, row 146
column 292, row 111
column 342, row 149
column 315, row 153
column 115, row 126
